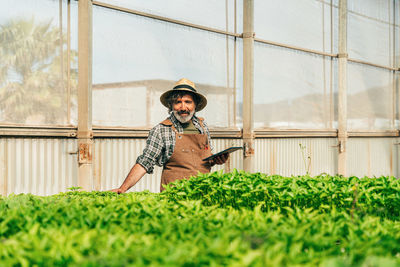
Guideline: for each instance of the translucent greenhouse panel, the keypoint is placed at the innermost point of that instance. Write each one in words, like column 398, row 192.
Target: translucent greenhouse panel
column 34, row 62
column 374, row 9
column 370, row 99
column 397, row 102
column 370, row 31
column 310, row 24
column 396, row 34
column 73, row 91
column 210, row 13
column 130, row 73
column 293, row 90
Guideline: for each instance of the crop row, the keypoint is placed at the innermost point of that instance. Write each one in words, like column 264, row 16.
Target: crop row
column 188, row 226
column 375, row 196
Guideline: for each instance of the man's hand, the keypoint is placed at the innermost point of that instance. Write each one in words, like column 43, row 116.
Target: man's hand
column 118, row 191
column 220, row 159
column 133, row 177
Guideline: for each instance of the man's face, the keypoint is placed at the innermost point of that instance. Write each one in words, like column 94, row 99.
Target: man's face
column 184, row 108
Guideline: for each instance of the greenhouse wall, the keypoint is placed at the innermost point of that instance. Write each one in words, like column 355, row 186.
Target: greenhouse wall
column 41, row 166
column 45, row 166
column 306, row 87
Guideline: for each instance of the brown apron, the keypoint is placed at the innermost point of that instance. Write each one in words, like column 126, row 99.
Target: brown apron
column 186, row 160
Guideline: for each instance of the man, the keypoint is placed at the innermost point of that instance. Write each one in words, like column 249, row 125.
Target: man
column 179, row 143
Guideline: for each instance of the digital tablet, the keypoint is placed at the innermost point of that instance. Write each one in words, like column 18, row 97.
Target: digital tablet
column 228, row 150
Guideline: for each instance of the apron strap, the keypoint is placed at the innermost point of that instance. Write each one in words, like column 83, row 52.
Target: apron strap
column 201, row 124
column 201, row 119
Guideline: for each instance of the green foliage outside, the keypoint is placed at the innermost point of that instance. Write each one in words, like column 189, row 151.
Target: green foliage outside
column 34, row 72
column 233, row 219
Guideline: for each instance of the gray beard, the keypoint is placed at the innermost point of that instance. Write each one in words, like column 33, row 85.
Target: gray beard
column 183, row 119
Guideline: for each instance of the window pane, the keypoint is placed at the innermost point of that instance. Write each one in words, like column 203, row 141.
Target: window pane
column 210, row 13
column 303, row 23
column 370, row 31
column 370, row 98
column 34, row 62
column 130, row 73
column 397, row 101
column 73, row 76
column 396, row 33
column 293, row 90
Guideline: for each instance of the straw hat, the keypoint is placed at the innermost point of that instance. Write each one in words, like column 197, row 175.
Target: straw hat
column 185, row 85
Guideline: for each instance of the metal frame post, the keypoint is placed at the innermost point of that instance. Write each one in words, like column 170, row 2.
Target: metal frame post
column 342, row 99
column 3, row 169
column 85, row 134
column 248, row 84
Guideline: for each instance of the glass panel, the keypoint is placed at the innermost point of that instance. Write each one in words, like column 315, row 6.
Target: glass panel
column 130, row 73
column 303, row 23
column 34, row 62
column 370, row 98
column 210, row 13
column 370, row 31
column 397, row 101
column 396, row 33
column 73, row 82
column 373, row 9
column 293, row 90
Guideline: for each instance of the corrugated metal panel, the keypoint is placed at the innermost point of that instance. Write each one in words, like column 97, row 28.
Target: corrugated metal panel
column 396, row 158
column 372, row 156
column 115, row 157
column 235, row 160
column 3, row 167
column 38, row 166
column 285, row 156
column 44, row 166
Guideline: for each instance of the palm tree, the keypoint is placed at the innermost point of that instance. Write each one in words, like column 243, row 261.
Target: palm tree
column 31, row 82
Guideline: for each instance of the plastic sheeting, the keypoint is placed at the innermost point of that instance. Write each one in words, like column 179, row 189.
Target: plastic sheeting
column 302, row 23
column 148, row 60
column 293, row 89
column 135, row 59
column 373, row 31
column 33, row 44
column 370, row 98
column 209, row 13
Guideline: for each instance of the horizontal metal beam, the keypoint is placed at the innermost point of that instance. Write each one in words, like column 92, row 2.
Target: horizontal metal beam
column 294, row 133
column 295, row 48
column 27, row 131
column 165, row 19
column 372, row 64
column 389, row 133
column 122, row 132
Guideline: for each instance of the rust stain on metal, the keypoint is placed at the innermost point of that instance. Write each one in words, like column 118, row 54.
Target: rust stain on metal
column 248, row 150
column 85, row 153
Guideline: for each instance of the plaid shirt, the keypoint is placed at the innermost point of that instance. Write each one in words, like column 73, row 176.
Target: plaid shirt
column 160, row 143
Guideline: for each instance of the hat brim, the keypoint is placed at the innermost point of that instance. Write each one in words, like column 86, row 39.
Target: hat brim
column 200, row 105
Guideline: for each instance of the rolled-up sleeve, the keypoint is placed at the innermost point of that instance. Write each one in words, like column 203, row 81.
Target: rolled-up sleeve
column 153, row 150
